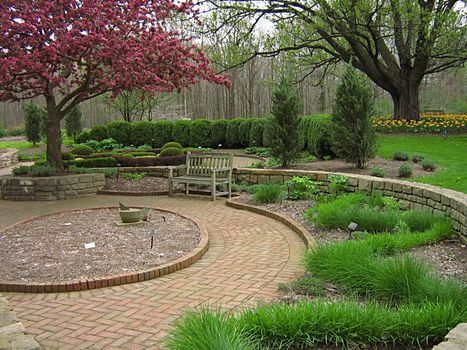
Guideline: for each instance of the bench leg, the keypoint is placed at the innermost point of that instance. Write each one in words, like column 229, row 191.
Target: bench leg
column 170, row 189
column 187, row 189
column 213, row 187
column 229, row 186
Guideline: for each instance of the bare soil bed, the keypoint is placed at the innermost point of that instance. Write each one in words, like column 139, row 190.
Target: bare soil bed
column 448, row 258
column 391, row 167
column 51, row 248
column 146, row 184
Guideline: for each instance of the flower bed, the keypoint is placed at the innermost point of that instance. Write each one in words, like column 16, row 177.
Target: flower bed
column 428, row 123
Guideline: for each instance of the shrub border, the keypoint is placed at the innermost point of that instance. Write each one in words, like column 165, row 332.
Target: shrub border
column 111, row 280
column 411, row 195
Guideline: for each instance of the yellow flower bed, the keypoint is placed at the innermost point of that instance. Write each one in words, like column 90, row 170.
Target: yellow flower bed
column 429, row 122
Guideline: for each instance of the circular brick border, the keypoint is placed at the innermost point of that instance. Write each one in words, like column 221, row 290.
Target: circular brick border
column 290, row 223
column 113, row 280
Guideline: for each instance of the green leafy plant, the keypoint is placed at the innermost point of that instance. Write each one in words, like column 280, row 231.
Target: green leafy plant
column 108, row 172
column 400, row 156
column 18, row 131
column 405, row 170
column 419, row 221
column 96, row 162
column 268, row 193
column 73, row 122
column 172, row 144
column 301, row 188
column 306, row 284
column 43, row 170
column 416, row 158
column 337, row 184
column 134, row 176
column 21, row 170
column 33, row 122
column 428, row 165
column 352, row 133
column 377, row 171
column 82, row 150
column 171, row 151
column 99, row 133
column 258, row 165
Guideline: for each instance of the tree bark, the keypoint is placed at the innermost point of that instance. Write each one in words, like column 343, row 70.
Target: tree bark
column 53, row 133
column 406, row 101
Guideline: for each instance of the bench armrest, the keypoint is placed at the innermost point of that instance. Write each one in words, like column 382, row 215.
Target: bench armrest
column 220, row 169
column 172, row 167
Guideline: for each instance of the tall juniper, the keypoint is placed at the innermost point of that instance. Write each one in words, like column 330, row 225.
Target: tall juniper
column 284, row 128
column 353, row 136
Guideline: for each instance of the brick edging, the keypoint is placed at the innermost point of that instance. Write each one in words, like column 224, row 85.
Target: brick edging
column 113, row 280
column 290, row 223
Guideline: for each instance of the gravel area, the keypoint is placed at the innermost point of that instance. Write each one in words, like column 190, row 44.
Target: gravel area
column 448, row 258
column 51, row 248
column 146, row 184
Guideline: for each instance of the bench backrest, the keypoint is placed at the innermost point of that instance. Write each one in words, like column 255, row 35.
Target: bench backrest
column 202, row 163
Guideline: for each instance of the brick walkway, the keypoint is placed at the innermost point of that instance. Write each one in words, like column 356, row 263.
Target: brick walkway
column 249, row 254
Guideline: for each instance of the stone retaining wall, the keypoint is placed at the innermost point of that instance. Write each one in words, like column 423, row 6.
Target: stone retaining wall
column 411, row 195
column 8, row 157
column 50, row 188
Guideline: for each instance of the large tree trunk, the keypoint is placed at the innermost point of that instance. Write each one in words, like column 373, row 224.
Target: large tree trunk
column 53, row 133
column 406, row 98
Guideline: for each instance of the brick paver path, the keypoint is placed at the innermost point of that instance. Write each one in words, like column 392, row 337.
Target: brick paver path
column 249, row 254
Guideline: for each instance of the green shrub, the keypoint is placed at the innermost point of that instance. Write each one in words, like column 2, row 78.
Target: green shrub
column 73, row 122
column 207, row 330
column 218, row 133
column 416, row 158
column 337, row 184
column 120, row 131
column 377, row 171
column 232, row 138
column 268, row 193
column 284, row 127
column 34, row 117
column 172, row 145
column 257, row 130
column 43, row 170
column 108, row 144
column 200, row 133
column 244, row 132
column 400, row 156
column 82, row 150
column 18, row 131
column 181, row 132
column 108, row 172
column 428, row 165
column 83, row 137
column 299, row 188
column 419, row 221
column 317, row 136
column 162, row 132
column 2, row 132
column 171, row 151
column 21, row 170
column 141, row 132
column 99, row 133
column 134, row 176
column 405, row 170
column 352, row 133
column 106, row 162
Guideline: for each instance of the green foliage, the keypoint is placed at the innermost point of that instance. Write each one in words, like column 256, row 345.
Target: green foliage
column 257, row 130
column 82, row 150
column 428, row 165
column 305, row 285
column 120, row 131
column 181, row 131
column 2, row 132
column 21, row 170
column 316, row 135
column 419, row 221
column 83, row 137
column 352, row 133
column 73, row 124
column 108, row 172
column 207, row 330
column 417, row 158
column 19, row 131
column 100, row 132
column 108, row 144
column 284, row 126
column 34, row 117
column 299, row 188
column 104, row 162
column 134, row 176
column 200, row 133
column 162, row 132
column 377, row 171
column 405, row 170
column 172, row 144
column 141, row 132
column 244, row 128
column 42, row 170
column 171, row 151
column 268, row 193
column 337, row 184
column 232, row 137
column 259, row 151
column 218, row 133
column 400, row 156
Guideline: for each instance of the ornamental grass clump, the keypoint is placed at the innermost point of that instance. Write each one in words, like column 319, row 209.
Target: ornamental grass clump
column 428, row 165
column 405, row 170
column 268, row 193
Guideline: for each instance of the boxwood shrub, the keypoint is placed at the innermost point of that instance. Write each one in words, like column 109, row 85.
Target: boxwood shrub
column 200, row 133
column 82, row 150
column 218, row 133
column 98, row 133
column 181, row 131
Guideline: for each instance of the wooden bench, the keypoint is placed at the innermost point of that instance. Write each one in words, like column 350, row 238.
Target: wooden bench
column 205, row 169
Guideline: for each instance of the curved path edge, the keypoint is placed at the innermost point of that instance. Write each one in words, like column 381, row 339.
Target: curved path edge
column 289, row 222
column 112, row 280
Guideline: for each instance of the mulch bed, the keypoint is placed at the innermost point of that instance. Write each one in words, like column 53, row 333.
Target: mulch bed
column 448, row 258
column 146, row 184
column 51, row 248
column 339, row 166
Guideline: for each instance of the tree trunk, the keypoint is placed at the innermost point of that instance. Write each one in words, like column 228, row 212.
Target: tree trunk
column 406, row 103
column 53, row 133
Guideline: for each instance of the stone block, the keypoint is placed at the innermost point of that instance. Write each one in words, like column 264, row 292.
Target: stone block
column 417, row 191
column 26, row 183
column 78, row 186
column 64, row 187
column 432, row 195
column 364, row 185
column 85, row 178
column 378, row 185
column 263, row 179
column 407, row 189
column 71, row 193
column 388, row 185
column 404, row 205
column 276, row 178
column 46, row 182
column 253, row 179
column 445, row 200
column 397, row 187
column 352, row 182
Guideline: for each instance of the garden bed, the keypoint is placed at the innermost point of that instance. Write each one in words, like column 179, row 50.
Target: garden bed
column 51, row 248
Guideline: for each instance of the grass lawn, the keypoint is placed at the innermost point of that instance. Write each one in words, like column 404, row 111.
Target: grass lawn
column 450, row 155
column 18, row 144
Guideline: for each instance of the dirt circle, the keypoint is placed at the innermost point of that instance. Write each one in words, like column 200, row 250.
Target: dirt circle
column 52, row 247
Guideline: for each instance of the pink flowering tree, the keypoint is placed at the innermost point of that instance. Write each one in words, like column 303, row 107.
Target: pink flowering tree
column 69, row 51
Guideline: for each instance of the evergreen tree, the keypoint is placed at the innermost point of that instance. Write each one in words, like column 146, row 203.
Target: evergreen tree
column 73, row 123
column 284, row 128
column 353, row 136
column 33, row 122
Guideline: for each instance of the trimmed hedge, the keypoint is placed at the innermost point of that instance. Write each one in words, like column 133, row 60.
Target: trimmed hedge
column 108, row 162
column 153, row 161
column 232, row 133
